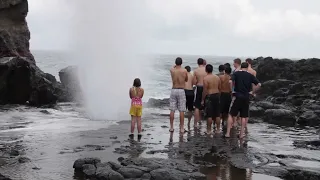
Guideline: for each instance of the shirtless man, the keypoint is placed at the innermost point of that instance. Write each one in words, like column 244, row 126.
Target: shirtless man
column 179, row 77
column 243, row 84
column 199, row 74
column 251, row 71
column 211, row 98
column 225, row 96
column 189, row 94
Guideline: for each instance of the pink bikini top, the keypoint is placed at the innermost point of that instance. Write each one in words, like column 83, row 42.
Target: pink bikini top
column 136, row 100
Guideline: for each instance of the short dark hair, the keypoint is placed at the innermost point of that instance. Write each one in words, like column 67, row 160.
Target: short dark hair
column 222, row 68
column 244, row 65
column 249, row 61
column 209, row 68
column 188, row 68
column 200, row 61
column 178, row 61
column 227, row 65
column 237, row 61
column 136, row 82
column 228, row 70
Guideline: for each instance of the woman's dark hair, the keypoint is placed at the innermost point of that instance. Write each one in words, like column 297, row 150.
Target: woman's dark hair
column 136, row 82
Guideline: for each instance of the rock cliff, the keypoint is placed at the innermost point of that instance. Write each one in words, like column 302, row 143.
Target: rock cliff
column 14, row 31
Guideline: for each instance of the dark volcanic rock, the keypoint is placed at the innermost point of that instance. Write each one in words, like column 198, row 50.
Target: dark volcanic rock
column 14, row 31
column 280, row 116
column 315, row 144
column 78, row 164
column 22, row 81
column 309, row 118
column 159, row 103
column 4, row 178
column 89, row 170
column 70, row 81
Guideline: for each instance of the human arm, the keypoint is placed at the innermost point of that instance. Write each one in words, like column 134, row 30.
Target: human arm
column 142, row 92
column 194, row 80
column 256, row 82
column 186, row 74
column 205, row 89
column 130, row 94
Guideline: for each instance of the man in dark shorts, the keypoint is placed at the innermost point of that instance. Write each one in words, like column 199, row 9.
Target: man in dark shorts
column 189, row 94
column 198, row 76
column 243, row 85
column 225, row 96
column 211, row 98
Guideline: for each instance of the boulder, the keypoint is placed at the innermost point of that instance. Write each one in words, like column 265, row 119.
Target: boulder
column 14, row 31
column 70, row 81
column 271, row 87
column 2, row 177
column 309, row 118
column 158, row 103
column 78, row 164
column 280, row 116
column 23, row 82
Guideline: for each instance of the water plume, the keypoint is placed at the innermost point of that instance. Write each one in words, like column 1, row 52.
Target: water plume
column 109, row 38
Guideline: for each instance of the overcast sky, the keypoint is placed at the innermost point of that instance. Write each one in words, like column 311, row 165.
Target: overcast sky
column 282, row 28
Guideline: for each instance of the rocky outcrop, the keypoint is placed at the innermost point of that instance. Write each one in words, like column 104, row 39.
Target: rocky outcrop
column 71, row 84
column 22, row 82
column 14, row 32
column 138, row 168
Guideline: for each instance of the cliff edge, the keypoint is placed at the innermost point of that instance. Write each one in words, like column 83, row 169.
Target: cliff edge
column 14, row 31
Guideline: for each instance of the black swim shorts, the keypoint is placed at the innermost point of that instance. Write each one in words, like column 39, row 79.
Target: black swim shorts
column 225, row 101
column 198, row 100
column 212, row 105
column 240, row 104
column 190, row 99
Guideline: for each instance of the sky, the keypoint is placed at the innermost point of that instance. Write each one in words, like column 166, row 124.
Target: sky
column 278, row 28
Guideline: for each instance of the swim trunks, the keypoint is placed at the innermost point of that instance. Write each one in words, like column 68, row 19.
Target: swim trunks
column 225, row 102
column 190, row 99
column 212, row 103
column 240, row 105
column 198, row 100
column 178, row 100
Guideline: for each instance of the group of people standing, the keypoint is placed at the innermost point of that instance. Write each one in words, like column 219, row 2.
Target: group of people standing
column 221, row 96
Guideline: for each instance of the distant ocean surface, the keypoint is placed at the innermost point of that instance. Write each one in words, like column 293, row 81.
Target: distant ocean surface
column 159, row 80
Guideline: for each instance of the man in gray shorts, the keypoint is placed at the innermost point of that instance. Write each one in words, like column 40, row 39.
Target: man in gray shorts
column 179, row 76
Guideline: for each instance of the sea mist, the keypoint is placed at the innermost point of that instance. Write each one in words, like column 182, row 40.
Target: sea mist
column 109, row 44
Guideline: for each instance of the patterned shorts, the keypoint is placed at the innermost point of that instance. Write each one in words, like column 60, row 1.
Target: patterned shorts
column 178, row 100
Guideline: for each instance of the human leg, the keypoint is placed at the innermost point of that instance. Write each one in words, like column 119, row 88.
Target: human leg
column 133, row 123
column 173, row 107
column 198, row 105
column 232, row 115
column 181, row 107
column 139, row 124
column 244, row 114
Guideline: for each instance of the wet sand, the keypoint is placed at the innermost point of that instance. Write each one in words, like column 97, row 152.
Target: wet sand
column 44, row 143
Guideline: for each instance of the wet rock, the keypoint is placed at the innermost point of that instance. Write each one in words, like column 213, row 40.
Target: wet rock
column 146, row 176
column 270, row 87
column 309, row 118
column 14, row 153
column 115, row 176
column 280, row 92
column 70, row 81
column 164, row 174
column 114, row 166
column 256, row 111
column 23, row 160
column 89, row 170
column 314, row 145
column 78, row 164
column 24, row 82
column 129, row 172
column 2, row 177
column 45, row 112
column 159, row 103
column 113, row 137
column 280, row 116
column 300, row 174
column 165, row 126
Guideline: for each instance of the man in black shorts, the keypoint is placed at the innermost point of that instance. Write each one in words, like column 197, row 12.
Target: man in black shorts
column 242, row 86
column 189, row 94
column 198, row 76
column 211, row 98
column 225, row 96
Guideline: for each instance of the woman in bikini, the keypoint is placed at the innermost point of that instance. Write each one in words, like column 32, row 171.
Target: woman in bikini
column 136, row 94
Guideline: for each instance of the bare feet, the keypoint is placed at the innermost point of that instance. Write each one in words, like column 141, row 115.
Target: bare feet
column 171, row 130
column 227, row 135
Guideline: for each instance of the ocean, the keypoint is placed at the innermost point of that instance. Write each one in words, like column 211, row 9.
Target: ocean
column 158, row 84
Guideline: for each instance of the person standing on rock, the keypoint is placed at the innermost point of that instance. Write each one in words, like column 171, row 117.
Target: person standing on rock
column 225, row 96
column 251, row 71
column 211, row 98
column 199, row 74
column 189, row 94
column 243, row 84
column 177, row 100
column 136, row 94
